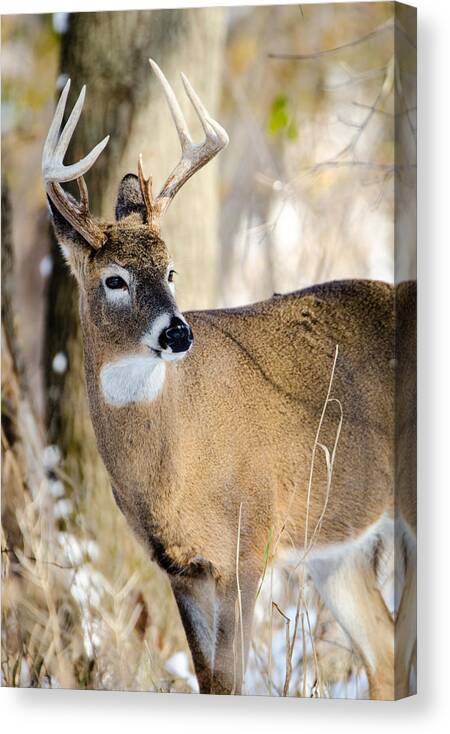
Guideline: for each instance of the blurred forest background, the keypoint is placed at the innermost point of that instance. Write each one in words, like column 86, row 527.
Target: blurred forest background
column 313, row 98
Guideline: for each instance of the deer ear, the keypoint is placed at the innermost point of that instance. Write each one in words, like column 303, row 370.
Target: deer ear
column 129, row 198
column 75, row 249
column 66, row 235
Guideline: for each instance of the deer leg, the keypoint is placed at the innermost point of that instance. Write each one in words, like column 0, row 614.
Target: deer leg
column 210, row 613
column 348, row 586
column 233, row 626
column 405, row 628
column 195, row 600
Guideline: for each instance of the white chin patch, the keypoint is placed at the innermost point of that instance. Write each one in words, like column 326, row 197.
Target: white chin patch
column 133, row 379
column 169, row 356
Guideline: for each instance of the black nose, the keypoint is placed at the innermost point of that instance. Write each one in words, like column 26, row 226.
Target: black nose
column 178, row 336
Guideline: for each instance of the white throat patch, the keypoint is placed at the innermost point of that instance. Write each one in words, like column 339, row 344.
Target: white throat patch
column 133, row 379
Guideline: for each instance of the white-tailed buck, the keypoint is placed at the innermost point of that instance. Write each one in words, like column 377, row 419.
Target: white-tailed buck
column 207, row 422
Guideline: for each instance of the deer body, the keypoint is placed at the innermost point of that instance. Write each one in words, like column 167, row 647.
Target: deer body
column 242, row 429
column 209, row 447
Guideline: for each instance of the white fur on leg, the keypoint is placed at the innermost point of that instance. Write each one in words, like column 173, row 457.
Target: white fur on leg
column 345, row 578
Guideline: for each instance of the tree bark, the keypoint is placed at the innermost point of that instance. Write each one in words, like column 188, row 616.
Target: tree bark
column 109, row 52
column 22, row 441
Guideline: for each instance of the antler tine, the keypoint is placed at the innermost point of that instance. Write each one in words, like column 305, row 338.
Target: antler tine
column 210, row 126
column 194, row 156
column 52, row 136
column 69, row 128
column 174, row 107
column 147, row 195
column 55, row 172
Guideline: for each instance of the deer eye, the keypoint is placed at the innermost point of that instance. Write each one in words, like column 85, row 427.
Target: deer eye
column 115, row 281
column 170, row 276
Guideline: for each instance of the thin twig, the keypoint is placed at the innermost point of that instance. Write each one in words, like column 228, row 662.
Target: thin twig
column 239, row 595
column 288, row 673
column 390, row 25
column 316, row 443
column 40, row 560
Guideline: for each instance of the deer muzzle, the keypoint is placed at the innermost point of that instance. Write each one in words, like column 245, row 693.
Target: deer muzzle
column 177, row 336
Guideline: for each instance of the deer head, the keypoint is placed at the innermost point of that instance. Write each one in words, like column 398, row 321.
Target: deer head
column 124, row 269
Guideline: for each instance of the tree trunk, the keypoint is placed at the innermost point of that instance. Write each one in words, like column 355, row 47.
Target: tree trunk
column 109, row 52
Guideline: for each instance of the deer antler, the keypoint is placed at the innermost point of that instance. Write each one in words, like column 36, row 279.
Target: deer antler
column 193, row 156
column 55, row 172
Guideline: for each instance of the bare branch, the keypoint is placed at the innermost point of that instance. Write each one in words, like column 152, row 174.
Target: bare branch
column 390, row 25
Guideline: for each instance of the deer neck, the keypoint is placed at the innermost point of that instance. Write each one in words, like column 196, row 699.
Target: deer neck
column 133, row 405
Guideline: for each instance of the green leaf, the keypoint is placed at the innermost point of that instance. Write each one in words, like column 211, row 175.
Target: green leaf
column 279, row 117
